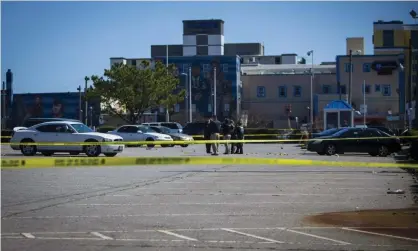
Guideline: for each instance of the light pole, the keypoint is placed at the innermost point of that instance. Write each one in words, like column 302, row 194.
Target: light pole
column 91, row 116
column 86, row 79
column 364, row 103
column 80, row 111
column 214, row 91
column 190, row 96
column 311, row 53
column 186, row 99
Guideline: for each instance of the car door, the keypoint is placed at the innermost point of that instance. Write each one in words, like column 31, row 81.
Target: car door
column 368, row 140
column 123, row 132
column 50, row 134
column 135, row 133
column 348, row 142
column 64, row 134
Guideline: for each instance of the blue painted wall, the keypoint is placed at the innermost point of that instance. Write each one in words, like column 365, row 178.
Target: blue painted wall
column 227, row 82
column 50, row 105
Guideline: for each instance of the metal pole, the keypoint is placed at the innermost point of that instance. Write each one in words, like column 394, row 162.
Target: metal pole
column 214, row 92
column 312, row 78
column 350, row 78
column 190, row 96
column 85, row 100
column 3, row 106
column 364, row 102
column 167, row 114
column 80, row 114
column 410, row 85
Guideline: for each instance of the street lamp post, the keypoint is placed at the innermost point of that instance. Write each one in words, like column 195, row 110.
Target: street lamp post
column 190, row 96
column 86, row 79
column 188, row 100
column 311, row 53
column 350, row 76
column 80, row 111
column 214, row 91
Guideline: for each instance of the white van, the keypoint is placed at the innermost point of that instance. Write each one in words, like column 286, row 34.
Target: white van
column 174, row 126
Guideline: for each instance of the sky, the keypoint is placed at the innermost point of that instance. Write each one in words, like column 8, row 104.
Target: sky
column 52, row 46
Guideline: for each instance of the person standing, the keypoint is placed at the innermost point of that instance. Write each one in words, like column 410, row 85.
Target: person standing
column 227, row 130
column 215, row 129
column 206, row 134
column 239, row 133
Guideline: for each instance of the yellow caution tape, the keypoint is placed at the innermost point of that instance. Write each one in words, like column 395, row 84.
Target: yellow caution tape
column 132, row 161
column 192, row 142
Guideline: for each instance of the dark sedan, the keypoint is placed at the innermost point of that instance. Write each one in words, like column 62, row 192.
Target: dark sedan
column 175, row 136
column 328, row 132
column 359, row 140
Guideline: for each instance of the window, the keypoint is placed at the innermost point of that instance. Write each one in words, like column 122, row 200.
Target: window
column 123, row 129
column 343, row 89
column 297, row 91
column 367, row 89
column 185, row 68
column 347, row 67
column 261, row 91
column 367, row 67
column 377, row 88
column 387, row 90
column 133, row 62
column 206, row 67
column 282, row 92
column 326, row 89
column 225, row 67
column 388, row 38
column 202, row 50
column 48, row 128
column 132, row 129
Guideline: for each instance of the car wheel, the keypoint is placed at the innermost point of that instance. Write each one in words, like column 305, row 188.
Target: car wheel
column 321, row 153
column 184, row 145
column 47, row 153
column 383, row 151
column 150, row 139
column 110, row 154
column 28, row 150
column 330, row 149
column 92, row 150
column 74, row 153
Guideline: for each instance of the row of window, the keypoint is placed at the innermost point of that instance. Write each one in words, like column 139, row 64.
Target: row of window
column 367, row 67
column 326, row 89
column 205, row 67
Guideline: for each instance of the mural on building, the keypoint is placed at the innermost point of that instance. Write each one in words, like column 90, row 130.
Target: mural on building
column 203, row 78
column 52, row 105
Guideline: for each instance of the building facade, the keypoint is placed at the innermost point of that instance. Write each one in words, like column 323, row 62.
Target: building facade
column 228, row 85
column 270, row 90
column 383, row 85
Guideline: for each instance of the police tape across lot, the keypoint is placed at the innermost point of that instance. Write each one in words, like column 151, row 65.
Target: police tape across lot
column 192, row 142
column 22, row 163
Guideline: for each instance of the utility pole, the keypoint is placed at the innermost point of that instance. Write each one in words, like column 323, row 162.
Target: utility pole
column 190, row 96
column 214, row 91
column 80, row 111
column 86, row 79
column 350, row 76
column 167, row 114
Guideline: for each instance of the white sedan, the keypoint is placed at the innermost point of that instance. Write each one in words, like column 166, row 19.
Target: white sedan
column 140, row 133
column 64, row 132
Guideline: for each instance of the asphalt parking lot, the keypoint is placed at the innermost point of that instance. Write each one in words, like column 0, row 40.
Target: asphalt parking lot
column 203, row 207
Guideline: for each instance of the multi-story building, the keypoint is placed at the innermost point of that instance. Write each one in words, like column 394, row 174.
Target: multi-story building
column 269, row 90
column 382, row 86
column 397, row 38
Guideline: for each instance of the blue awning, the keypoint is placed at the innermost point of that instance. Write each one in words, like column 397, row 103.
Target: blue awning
column 338, row 105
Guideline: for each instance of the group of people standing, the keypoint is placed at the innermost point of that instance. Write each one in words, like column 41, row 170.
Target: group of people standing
column 229, row 130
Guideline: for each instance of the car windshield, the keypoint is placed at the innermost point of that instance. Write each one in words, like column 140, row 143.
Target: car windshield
column 164, row 129
column 145, row 129
column 172, row 125
column 81, row 128
column 329, row 131
column 341, row 132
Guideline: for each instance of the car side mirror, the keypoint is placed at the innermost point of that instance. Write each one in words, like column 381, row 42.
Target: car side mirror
column 140, row 132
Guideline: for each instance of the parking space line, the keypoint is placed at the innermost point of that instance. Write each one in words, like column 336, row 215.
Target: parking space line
column 208, row 203
column 28, row 235
column 251, row 235
column 177, row 235
column 317, row 236
column 104, row 237
column 384, row 235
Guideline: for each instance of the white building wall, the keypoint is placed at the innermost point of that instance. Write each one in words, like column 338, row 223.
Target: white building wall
column 189, row 40
column 289, row 59
column 189, row 51
column 117, row 61
column 216, row 50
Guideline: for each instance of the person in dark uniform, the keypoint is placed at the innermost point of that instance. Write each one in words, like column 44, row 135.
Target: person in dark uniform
column 239, row 134
column 206, row 134
column 215, row 129
column 227, row 130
